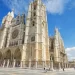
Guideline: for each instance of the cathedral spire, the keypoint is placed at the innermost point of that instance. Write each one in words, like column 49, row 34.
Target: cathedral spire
column 12, row 13
column 37, row 0
column 56, row 29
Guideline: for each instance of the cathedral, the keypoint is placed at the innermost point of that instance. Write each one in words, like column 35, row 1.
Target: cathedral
column 58, row 56
column 24, row 40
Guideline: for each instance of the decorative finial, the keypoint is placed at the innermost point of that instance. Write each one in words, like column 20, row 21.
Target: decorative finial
column 56, row 29
column 13, row 9
column 12, row 13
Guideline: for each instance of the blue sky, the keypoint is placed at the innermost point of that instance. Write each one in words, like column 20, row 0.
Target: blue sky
column 60, row 14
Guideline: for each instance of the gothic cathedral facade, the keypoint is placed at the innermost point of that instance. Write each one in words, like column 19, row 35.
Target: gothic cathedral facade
column 24, row 40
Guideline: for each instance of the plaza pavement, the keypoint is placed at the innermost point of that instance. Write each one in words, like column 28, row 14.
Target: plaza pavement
column 19, row 71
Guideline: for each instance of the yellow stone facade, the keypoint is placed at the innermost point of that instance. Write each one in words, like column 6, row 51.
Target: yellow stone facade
column 57, row 51
column 25, row 43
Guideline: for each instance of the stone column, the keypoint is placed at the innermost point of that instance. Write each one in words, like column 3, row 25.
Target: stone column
column 43, row 64
column 21, row 64
column 59, row 66
column 62, row 65
column 29, row 63
column 3, row 39
column 67, row 65
column 0, row 63
column 7, row 63
column 14, row 62
column 4, row 63
column 23, row 57
column 51, row 65
column 36, row 64
column 36, row 55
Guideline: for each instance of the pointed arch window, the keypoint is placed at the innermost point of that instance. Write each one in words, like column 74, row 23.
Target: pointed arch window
column 33, row 23
column 34, row 13
column 35, row 5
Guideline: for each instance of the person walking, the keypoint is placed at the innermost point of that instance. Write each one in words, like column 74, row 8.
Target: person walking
column 74, row 67
column 63, row 68
column 45, row 70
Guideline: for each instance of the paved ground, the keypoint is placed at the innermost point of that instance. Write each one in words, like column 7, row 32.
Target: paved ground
column 18, row 71
column 66, row 72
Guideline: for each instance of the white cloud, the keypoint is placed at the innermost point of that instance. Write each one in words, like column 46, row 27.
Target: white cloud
column 19, row 6
column 71, row 53
column 53, row 6
column 72, row 58
column 56, row 6
column 70, row 49
column 68, row 54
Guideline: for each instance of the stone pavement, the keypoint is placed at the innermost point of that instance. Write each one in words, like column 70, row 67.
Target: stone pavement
column 19, row 71
column 66, row 72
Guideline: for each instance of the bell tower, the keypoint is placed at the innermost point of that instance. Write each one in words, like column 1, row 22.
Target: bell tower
column 36, row 46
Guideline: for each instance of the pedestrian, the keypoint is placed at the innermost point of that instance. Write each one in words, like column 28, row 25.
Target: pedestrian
column 74, row 67
column 63, row 69
column 45, row 70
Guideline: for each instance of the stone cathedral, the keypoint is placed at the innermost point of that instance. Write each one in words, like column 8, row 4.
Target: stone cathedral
column 24, row 40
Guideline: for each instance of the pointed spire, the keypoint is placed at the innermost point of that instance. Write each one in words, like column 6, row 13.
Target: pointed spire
column 8, row 13
column 18, row 14
column 56, row 29
column 13, row 10
column 12, row 13
column 37, row 0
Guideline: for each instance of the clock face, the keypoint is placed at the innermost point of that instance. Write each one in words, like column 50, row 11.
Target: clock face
column 15, row 33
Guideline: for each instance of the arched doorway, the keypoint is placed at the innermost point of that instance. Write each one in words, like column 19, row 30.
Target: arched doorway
column 17, row 57
column 0, row 59
column 7, row 58
column 8, row 54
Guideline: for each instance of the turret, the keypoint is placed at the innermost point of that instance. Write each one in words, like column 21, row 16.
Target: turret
column 56, row 30
column 7, row 19
column 12, row 13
